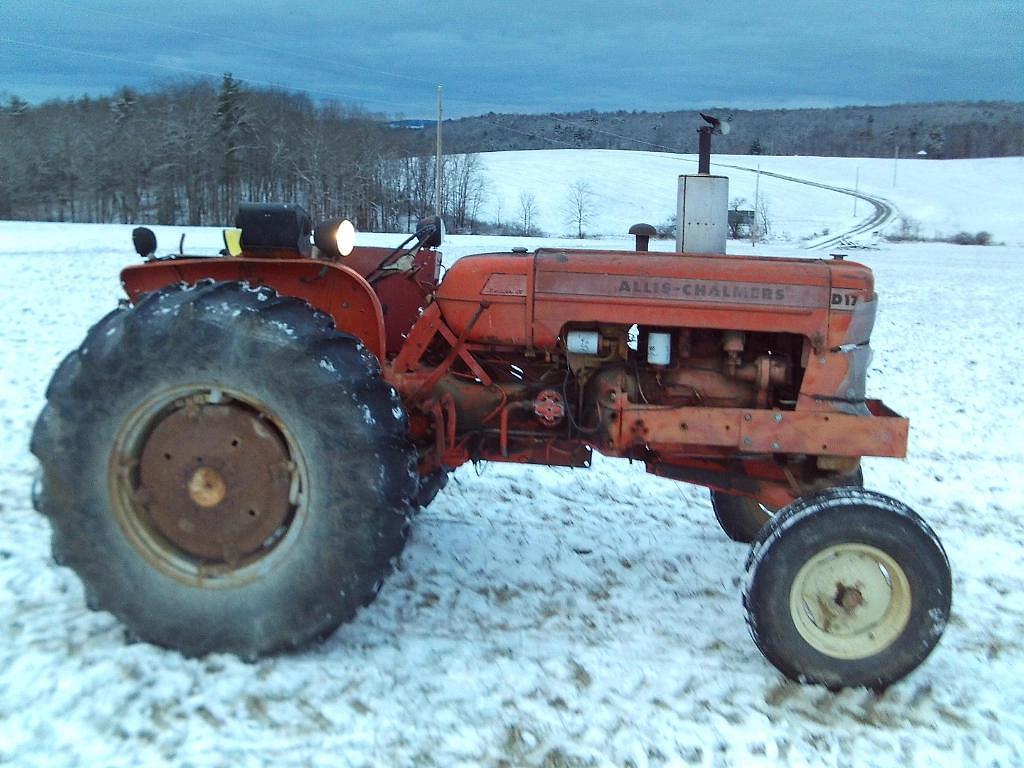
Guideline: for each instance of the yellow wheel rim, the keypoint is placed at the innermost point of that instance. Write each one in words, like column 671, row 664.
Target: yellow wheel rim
column 850, row 601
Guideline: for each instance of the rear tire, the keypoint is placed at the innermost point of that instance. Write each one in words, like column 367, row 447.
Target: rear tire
column 224, row 470
column 847, row 588
column 742, row 517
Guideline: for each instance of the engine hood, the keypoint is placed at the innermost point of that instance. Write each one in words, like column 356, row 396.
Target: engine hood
column 529, row 298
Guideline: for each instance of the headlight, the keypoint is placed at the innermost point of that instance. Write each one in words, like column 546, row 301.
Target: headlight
column 346, row 237
column 335, row 238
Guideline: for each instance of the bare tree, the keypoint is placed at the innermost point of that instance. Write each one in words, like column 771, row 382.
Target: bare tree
column 527, row 211
column 763, row 218
column 578, row 205
column 738, row 222
column 497, row 211
column 467, row 186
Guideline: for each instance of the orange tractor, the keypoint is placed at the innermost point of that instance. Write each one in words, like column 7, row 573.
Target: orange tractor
column 231, row 458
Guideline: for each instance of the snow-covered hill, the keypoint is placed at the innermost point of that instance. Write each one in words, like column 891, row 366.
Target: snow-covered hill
column 546, row 616
column 944, row 196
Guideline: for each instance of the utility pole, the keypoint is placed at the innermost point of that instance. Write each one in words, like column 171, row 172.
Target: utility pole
column 757, row 194
column 437, row 169
column 856, row 189
column 895, row 161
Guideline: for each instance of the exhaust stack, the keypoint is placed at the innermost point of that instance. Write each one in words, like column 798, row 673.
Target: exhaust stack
column 702, row 204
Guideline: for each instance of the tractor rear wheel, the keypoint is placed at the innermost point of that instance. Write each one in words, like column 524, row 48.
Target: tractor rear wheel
column 847, row 588
column 224, row 470
column 742, row 517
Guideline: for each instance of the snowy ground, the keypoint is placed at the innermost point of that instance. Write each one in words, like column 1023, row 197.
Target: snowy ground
column 543, row 616
column 943, row 196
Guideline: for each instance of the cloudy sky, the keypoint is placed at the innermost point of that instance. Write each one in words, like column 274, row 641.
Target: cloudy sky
column 527, row 56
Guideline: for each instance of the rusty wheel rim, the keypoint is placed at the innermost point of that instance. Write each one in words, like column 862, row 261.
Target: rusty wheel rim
column 851, row 601
column 208, row 485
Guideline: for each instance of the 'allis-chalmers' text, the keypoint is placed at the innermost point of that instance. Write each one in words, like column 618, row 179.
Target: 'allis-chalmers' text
column 703, row 290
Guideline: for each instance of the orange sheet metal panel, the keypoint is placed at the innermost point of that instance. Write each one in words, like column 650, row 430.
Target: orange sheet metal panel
column 402, row 293
column 758, row 431
column 853, row 303
column 501, row 281
column 532, row 297
column 700, row 426
column 333, row 289
column 679, row 290
column 830, row 434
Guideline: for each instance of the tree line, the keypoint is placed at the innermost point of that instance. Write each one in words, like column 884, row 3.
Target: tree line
column 940, row 130
column 189, row 153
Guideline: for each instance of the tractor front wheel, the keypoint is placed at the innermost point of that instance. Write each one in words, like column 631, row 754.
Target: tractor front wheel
column 224, row 470
column 847, row 588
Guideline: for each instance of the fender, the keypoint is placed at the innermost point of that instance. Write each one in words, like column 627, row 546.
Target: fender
column 334, row 289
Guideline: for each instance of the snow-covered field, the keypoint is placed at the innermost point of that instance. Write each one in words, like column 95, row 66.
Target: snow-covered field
column 545, row 616
column 944, row 196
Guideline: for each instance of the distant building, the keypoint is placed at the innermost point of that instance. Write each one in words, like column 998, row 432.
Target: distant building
column 412, row 125
column 741, row 223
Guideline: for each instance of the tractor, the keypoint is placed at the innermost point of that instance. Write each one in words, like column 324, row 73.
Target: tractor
column 231, row 459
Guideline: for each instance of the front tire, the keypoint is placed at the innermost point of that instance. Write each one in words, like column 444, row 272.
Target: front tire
column 847, row 588
column 224, row 470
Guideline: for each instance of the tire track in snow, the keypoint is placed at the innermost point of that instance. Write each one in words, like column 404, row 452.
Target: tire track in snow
column 883, row 209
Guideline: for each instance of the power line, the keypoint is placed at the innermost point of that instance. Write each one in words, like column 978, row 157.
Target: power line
column 193, row 71
column 251, row 81
column 319, row 60
column 564, row 145
column 616, row 135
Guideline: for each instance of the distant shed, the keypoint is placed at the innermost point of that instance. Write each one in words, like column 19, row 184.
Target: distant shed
column 741, row 223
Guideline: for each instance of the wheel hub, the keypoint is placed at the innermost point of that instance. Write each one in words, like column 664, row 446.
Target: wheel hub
column 850, row 601
column 215, row 480
column 207, row 487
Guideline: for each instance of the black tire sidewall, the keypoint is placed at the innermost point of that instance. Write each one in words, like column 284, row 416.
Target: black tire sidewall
column 740, row 517
column 344, row 426
column 904, row 538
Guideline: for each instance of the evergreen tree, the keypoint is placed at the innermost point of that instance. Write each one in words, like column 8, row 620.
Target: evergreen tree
column 231, row 128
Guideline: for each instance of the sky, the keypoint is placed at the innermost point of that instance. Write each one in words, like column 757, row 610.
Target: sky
column 389, row 57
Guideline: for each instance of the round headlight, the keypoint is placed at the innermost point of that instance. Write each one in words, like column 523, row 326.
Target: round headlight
column 335, row 237
column 346, row 237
